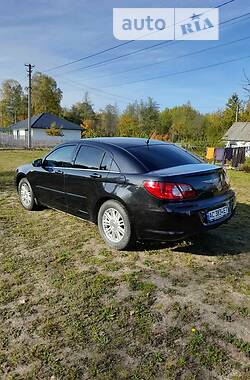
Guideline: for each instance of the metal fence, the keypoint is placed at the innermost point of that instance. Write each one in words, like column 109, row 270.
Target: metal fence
column 7, row 140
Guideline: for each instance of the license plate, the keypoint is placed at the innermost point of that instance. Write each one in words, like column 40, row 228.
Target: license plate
column 217, row 214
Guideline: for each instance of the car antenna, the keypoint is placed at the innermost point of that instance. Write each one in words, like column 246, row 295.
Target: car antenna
column 149, row 137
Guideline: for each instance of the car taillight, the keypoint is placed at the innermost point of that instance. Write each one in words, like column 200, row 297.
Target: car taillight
column 172, row 191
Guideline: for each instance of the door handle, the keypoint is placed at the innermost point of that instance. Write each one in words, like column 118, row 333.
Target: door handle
column 95, row 175
column 58, row 171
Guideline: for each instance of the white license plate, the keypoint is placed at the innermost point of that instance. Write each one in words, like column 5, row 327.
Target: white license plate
column 217, row 214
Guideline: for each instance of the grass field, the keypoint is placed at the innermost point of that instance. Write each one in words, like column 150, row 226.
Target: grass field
column 70, row 308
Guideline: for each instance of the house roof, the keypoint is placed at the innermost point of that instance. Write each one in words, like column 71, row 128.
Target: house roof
column 44, row 121
column 239, row 131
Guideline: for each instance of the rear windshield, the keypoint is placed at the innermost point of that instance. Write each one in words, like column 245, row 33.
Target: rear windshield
column 156, row 157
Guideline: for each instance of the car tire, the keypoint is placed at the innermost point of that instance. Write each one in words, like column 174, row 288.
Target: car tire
column 26, row 195
column 115, row 226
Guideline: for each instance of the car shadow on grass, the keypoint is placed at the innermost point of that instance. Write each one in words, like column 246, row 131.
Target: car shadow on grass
column 231, row 238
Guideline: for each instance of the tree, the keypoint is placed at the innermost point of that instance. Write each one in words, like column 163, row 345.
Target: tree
column 215, row 127
column 233, row 108
column 12, row 102
column 46, row 96
column 108, row 120
column 80, row 111
column 133, row 110
column 127, row 126
column 245, row 113
column 89, row 128
column 165, row 121
column 183, row 127
column 54, row 130
column 148, row 117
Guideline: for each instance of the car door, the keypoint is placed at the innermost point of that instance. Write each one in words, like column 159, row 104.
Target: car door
column 50, row 179
column 84, row 182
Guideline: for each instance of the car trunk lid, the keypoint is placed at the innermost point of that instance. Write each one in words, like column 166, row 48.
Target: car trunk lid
column 207, row 180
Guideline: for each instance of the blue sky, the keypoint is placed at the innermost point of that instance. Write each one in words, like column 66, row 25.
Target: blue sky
column 50, row 33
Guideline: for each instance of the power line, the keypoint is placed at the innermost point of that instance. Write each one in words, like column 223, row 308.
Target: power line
column 93, row 88
column 116, row 46
column 158, row 44
column 182, row 72
column 161, row 76
column 172, row 58
column 89, row 56
column 177, row 57
column 188, row 54
column 98, row 90
column 108, row 60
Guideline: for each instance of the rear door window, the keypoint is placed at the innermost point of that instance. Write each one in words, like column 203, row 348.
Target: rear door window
column 89, row 157
column 161, row 156
column 108, row 163
column 114, row 167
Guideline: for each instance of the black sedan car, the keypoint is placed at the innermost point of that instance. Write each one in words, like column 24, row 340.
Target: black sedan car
column 134, row 189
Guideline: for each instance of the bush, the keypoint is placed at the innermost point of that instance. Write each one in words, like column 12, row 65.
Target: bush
column 246, row 166
column 54, row 130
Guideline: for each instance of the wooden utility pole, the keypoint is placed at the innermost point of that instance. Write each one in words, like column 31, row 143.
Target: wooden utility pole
column 29, row 71
column 237, row 113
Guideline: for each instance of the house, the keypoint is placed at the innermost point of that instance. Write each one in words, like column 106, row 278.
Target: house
column 40, row 125
column 238, row 135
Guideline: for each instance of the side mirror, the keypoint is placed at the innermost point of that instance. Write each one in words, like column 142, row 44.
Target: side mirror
column 38, row 162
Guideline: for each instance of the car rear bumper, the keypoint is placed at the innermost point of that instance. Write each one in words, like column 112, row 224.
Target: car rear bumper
column 175, row 221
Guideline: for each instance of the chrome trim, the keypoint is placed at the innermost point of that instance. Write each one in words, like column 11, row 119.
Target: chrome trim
column 49, row 188
column 75, row 195
column 89, row 170
column 84, row 212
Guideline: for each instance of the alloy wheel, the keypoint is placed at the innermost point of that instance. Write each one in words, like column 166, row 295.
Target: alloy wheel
column 25, row 194
column 113, row 225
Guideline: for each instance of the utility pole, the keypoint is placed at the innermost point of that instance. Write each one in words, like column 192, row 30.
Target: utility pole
column 237, row 113
column 29, row 71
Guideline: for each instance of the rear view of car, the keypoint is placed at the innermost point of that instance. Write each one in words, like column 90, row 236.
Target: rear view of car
column 184, row 194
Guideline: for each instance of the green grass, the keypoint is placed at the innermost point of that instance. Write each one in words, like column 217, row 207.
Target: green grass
column 71, row 308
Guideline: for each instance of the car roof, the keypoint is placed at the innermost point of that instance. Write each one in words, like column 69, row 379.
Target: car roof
column 125, row 142
column 122, row 142
column 120, row 146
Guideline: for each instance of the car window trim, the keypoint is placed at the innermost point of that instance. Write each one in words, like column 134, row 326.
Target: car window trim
column 78, row 146
column 112, row 160
column 114, row 171
column 89, row 170
column 60, row 147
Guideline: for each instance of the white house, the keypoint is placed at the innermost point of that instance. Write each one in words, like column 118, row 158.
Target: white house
column 39, row 128
column 238, row 135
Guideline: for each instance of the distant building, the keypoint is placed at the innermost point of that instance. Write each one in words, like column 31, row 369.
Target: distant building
column 40, row 125
column 238, row 135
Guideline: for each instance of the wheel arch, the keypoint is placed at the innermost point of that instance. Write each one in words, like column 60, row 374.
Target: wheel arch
column 18, row 178
column 100, row 202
